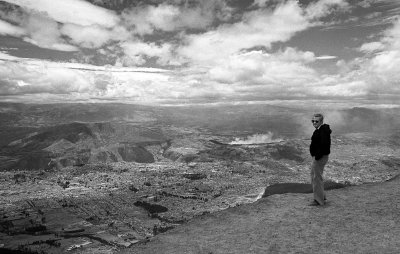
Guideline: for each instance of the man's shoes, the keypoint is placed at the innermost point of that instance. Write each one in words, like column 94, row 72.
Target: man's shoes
column 314, row 203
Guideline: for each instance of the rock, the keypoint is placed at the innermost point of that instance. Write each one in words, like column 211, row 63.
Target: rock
column 35, row 228
column 73, row 230
column 63, row 184
column 194, row 176
column 133, row 188
column 19, row 178
column 151, row 208
column 192, row 164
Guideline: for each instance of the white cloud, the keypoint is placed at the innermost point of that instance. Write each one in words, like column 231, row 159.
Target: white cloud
column 54, row 45
column 146, row 19
column 23, row 77
column 137, row 52
column 322, row 8
column 258, row 28
column 232, row 60
column 338, row 89
column 93, row 36
column 5, row 56
column 8, row 29
column 168, row 17
column 261, row 3
column 71, row 11
column 26, row 78
column 46, row 23
column 386, row 65
column 87, row 36
column 326, row 57
column 382, row 70
column 43, row 32
column 372, row 46
column 392, row 36
column 283, row 69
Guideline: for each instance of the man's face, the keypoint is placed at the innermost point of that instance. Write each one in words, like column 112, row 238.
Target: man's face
column 316, row 121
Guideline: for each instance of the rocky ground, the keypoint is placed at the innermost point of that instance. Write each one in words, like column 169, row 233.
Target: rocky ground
column 113, row 207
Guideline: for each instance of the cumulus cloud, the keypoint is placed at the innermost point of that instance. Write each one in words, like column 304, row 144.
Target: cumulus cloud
column 38, row 78
column 171, row 17
column 323, row 8
column 7, row 57
column 371, row 47
column 261, row 3
column 382, row 70
column 258, row 28
column 9, row 29
column 93, row 36
column 76, row 12
column 44, row 32
column 137, row 52
column 216, row 52
column 148, row 18
column 65, row 26
column 285, row 68
column 374, row 75
column 21, row 77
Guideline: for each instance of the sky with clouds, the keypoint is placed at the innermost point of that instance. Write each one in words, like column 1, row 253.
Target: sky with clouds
column 199, row 51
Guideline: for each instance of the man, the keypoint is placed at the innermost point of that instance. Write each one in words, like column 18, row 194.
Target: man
column 320, row 149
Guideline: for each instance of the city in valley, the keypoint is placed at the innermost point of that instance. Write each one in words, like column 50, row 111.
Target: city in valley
column 101, row 178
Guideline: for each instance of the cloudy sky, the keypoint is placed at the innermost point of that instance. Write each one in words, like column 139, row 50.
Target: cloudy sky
column 199, row 51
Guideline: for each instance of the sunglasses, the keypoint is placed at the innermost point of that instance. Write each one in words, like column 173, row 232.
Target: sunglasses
column 314, row 121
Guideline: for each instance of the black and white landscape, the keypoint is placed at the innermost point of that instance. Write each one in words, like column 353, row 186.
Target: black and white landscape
column 114, row 175
column 183, row 126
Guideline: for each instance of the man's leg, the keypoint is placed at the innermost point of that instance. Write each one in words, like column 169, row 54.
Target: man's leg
column 317, row 169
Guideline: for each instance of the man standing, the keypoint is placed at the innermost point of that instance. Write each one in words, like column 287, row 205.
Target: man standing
column 320, row 149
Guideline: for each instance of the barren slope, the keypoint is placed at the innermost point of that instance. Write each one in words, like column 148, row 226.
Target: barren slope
column 359, row 219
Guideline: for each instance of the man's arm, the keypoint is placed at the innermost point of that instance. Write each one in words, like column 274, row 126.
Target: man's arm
column 323, row 144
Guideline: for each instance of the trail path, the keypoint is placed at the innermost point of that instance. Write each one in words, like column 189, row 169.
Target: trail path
column 358, row 219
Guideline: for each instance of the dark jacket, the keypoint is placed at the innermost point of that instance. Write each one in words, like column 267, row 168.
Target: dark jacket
column 321, row 142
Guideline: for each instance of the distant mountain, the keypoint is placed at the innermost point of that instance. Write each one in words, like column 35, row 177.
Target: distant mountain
column 225, row 119
column 80, row 143
column 37, row 115
column 58, row 135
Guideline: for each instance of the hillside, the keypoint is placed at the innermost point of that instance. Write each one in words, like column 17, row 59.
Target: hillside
column 60, row 135
column 81, row 143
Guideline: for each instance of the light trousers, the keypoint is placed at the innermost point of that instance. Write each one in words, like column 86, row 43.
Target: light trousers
column 317, row 182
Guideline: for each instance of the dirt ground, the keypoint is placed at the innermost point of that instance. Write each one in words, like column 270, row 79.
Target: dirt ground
column 358, row 219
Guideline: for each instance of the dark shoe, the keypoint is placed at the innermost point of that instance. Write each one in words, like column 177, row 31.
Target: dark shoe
column 314, row 203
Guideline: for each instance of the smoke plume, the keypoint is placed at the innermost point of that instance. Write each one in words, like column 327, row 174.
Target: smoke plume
column 256, row 139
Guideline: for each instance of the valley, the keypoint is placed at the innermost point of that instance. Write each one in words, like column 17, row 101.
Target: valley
column 104, row 185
